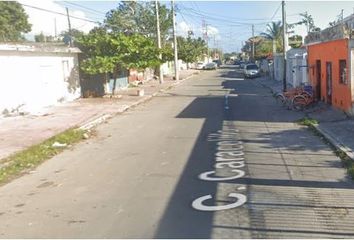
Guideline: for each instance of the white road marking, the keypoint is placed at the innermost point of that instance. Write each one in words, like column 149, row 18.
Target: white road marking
column 198, row 203
column 205, row 176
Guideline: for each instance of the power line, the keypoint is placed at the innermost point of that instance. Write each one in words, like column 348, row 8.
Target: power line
column 63, row 14
column 276, row 11
column 195, row 4
column 84, row 7
column 213, row 18
column 58, row 13
column 219, row 20
column 223, row 17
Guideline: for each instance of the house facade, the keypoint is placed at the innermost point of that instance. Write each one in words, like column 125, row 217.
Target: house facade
column 296, row 67
column 331, row 60
column 34, row 75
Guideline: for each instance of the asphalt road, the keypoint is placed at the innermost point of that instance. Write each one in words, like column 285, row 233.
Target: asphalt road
column 214, row 157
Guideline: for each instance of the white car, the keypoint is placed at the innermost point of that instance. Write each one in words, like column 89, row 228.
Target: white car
column 210, row 66
column 200, row 65
column 251, row 70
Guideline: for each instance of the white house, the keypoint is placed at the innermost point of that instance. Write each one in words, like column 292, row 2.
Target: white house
column 296, row 67
column 34, row 75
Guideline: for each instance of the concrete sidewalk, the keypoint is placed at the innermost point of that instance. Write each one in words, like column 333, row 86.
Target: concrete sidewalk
column 20, row 132
column 333, row 124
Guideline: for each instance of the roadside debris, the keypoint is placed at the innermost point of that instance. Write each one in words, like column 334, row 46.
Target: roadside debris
column 59, row 145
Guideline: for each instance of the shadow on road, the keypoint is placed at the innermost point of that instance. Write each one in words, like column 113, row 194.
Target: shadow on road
column 254, row 111
column 180, row 219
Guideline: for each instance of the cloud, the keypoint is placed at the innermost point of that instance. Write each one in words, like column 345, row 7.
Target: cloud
column 183, row 28
column 212, row 32
column 47, row 22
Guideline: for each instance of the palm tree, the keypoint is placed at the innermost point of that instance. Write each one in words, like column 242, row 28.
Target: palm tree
column 274, row 32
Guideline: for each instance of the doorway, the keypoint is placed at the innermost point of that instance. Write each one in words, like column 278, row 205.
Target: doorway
column 318, row 79
column 329, row 81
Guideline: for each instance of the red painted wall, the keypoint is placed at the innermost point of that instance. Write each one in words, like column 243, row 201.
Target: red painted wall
column 332, row 51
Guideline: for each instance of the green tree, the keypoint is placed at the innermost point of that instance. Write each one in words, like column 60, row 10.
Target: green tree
column 307, row 19
column 165, row 18
column 138, row 52
column 13, row 21
column 263, row 49
column 295, row 41
column 126, row 18
column 274, row 33
column 139, row 17
column 40, row 37
column 167, row 53
column 109, row 52
column 189, row 49
column 133, row 17
column 75, row 34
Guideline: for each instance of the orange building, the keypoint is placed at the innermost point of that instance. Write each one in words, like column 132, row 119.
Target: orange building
column 330, row 62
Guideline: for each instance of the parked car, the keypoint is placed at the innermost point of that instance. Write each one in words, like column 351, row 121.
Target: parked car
column 210, row 66
column 218, row 62
column 237, row 63
column 200, row 65
column 242, row 64
column 251, row 70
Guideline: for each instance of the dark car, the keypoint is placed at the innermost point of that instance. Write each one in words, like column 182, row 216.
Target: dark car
column 237, row 63
column 242, row 64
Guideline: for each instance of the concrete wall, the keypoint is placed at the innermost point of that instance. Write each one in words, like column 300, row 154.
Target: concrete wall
column 264, row 66
column 34, row 80
column 168, row 68
column 351, row 80
column 278, row 67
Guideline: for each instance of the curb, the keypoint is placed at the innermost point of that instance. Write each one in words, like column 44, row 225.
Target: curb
column 96, row 121
column 335, row 143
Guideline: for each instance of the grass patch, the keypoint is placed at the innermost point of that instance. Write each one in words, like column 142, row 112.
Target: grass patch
column 307, row 121
column 347, row 162
column 30, row 158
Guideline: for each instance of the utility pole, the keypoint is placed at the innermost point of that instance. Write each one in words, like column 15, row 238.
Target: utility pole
column 207, row 39
column 215, row 47
column 205, row 36
column 175, row 40
column 252, row 42
column 284, row 44
column 159, row 40
column 55, row 27
column 71, row 41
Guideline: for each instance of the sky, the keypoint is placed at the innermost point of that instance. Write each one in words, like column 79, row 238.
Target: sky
column 229, row 23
